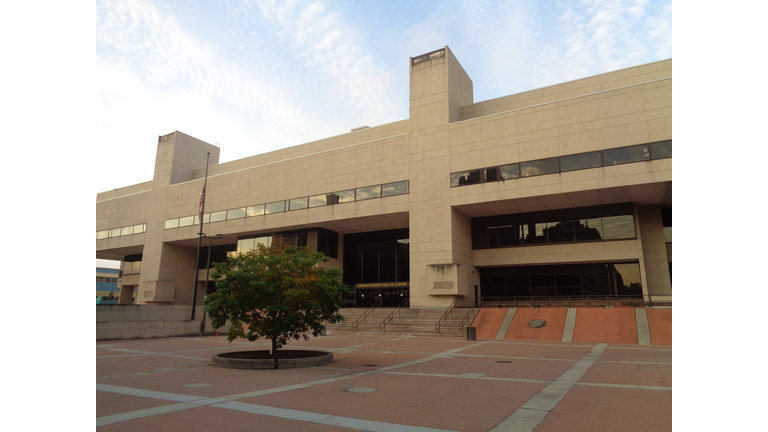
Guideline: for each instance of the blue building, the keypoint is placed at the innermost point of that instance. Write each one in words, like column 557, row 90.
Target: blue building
column 107, row 290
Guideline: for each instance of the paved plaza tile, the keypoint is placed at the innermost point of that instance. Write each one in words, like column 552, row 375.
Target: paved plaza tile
column 400, row 384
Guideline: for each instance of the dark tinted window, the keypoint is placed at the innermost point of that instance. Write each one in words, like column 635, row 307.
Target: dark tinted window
column 661, row 150
column 539, row 167
column 618, row 156
column 581, row 161
column 465, row 178
column 491, row 175
column 511, row 171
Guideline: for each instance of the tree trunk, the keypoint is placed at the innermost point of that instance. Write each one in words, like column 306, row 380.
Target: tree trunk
column 274, row 345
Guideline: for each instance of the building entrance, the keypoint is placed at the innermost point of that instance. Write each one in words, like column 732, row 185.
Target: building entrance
column 390, row 294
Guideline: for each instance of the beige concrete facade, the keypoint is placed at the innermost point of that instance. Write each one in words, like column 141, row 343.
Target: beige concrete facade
column 447, row 132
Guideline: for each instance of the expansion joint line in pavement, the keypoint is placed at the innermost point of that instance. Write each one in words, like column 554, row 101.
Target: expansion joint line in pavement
column 229, row 402
column 532, row 413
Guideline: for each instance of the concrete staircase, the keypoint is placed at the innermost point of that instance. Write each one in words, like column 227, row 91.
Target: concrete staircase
column 409, row 322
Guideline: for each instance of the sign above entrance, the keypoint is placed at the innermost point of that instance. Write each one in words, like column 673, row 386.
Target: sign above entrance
column 382, row 285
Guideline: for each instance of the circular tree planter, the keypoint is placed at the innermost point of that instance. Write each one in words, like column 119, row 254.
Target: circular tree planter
column 286, row 359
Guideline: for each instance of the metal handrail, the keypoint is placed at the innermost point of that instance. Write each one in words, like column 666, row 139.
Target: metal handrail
column 364, row 316
column 444, row 318
column 391, row 316
column 568, row 300
column 470, row 314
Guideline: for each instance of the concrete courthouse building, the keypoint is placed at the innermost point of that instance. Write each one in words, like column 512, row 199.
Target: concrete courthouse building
column 560, row 191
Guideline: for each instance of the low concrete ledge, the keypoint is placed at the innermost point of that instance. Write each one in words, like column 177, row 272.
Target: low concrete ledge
column 113, row 330
column 286, row 363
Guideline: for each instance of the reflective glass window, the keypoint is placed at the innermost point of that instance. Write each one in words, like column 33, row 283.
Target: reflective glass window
column 343, row 197
column 219, row 216
column 618, row 227
column 102, row 234
column 491, row 175
column 581, row 161
column 126, row 230
column 368, row 193
column 275, row 207
column 627, row 277
column 172, row 223
column 667, row 234
column 318, row 200
column 140, row 228
column 624, row 155
column 465, row 178
column 560, row 232
column 511, row 171
column 237, row 213
column 206, row 219
column 256, row 210
column 298, row 203
column 589, row 229
column 266, row 241
column 661, row 150
column 244, row 245
column 136, row 267
column 397, row 188
column 186, row 221
column 539, row 167
column 536, row 233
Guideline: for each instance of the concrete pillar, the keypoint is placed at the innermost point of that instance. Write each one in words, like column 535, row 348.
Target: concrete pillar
column 654, row 251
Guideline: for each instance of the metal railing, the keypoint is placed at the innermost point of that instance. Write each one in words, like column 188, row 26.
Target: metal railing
column 469, row 316
column 364, row 316
column 514, row 301
column 443, row 319
column 391, row 316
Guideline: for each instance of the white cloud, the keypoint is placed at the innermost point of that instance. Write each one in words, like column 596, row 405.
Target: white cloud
column 155, row 76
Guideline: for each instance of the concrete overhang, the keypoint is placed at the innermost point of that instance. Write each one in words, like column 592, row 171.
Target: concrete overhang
column 342, row 226
column 644, row 194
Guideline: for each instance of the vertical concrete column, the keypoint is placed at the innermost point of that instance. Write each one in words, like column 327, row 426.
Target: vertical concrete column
column 441, row 254
column 168, row 270
column 654, row 251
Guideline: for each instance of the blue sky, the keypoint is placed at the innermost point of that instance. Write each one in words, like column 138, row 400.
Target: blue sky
column 255, row 76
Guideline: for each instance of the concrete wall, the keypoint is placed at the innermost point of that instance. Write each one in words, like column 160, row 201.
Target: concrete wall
column 149, row 321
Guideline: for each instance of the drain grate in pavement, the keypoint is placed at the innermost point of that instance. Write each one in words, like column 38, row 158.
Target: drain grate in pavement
column 370, row 365
column 503, row 361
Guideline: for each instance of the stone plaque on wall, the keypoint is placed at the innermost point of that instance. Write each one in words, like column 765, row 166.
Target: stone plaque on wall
column 443, row 285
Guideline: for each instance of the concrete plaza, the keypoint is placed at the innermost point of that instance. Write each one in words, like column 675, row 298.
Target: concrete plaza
column 399, row 384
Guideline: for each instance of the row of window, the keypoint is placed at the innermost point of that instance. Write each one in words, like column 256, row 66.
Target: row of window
column 607, row 222
column 606, row 228
column 595, row 159
column 123, row 231
column 106, row 279
column 605, row 279
column 351, row 195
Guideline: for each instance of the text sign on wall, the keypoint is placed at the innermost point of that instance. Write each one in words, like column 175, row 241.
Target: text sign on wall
column 443, row 285
column 382, row 285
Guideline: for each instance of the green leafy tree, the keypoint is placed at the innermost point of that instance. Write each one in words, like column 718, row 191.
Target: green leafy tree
column 278, row 292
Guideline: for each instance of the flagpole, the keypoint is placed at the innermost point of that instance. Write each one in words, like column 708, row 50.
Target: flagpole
column 201, row 211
